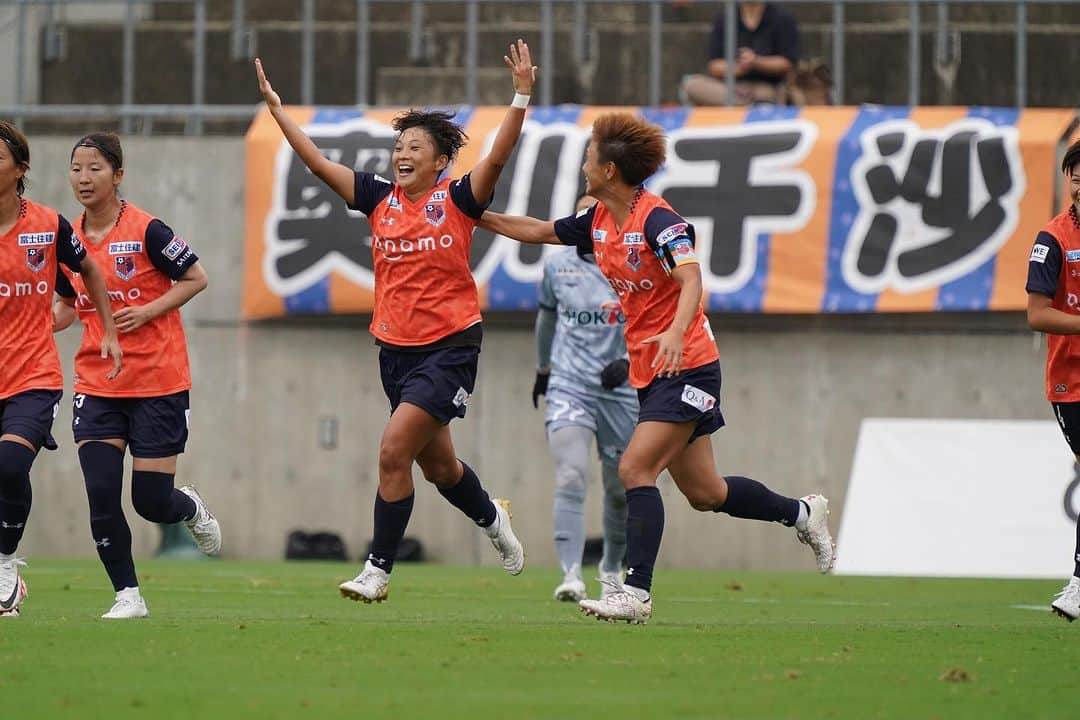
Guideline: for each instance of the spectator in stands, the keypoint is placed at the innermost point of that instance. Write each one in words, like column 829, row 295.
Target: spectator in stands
column 767, row 49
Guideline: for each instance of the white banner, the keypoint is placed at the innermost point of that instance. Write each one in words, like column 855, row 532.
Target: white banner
column 960, row 498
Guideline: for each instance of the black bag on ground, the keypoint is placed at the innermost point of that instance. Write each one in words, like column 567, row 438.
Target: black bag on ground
column 302, row 545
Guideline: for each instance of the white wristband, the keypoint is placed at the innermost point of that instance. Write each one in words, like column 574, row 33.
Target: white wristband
column 520, row 101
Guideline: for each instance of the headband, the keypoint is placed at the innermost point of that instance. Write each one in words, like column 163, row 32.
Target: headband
column 87, row 142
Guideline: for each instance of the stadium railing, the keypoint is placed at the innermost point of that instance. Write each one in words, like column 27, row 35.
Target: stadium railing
column 198, row 110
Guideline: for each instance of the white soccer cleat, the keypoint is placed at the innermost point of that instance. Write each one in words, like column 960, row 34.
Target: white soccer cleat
column 204, row 526
column 129, row 605
column 816, row 534
column 618, row 604
column 371, row 585
column 572, row 588
column 609, row 583
column 503, row 538
column 1067, row 602
column 12, row 587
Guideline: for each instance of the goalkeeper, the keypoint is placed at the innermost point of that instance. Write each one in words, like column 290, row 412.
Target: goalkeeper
column 582, row 372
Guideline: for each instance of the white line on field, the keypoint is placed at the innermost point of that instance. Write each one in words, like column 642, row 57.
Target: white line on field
column 1040, row 608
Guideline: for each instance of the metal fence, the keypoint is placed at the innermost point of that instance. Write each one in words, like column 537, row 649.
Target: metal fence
column 198, row 111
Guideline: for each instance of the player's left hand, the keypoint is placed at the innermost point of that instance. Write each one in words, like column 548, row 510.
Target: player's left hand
column 520, row 63
column 669, row 352
column 110, row 347
column 132, row 318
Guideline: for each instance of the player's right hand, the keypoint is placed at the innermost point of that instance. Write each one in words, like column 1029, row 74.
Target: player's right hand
column 540, row 387
column 273, row 100
column 110, row 347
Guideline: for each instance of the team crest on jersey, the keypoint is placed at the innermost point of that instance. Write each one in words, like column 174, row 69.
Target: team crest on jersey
column 35, row 258
column 633, row 258
column 435, row 213
column 125, row 267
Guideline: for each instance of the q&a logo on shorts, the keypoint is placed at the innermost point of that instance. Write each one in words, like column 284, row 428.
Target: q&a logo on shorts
column 698, row 398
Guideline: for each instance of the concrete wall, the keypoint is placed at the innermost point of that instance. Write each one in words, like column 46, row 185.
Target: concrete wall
column 796, row 391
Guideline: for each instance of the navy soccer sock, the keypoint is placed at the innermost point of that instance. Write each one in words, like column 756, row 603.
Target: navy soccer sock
column 391, row 519
column 751, row 500
column 156, row 499
column 103, row 472
column 15, row 493
column 469, row 497
column 644, row 529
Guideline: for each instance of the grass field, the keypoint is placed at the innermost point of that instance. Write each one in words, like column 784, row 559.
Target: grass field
column 269, row 640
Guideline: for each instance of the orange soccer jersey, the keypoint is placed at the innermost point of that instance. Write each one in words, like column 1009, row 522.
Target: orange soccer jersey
column 140, row 258
column 28, row 267
column 1054, row 271
column 637, row 261
column 424, row 289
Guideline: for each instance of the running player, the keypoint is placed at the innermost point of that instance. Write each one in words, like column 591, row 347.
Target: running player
column 646, row 251
column 427, row 311
column 146, row 411
column 34, row 239
column 1052, row 288
column 582, row 372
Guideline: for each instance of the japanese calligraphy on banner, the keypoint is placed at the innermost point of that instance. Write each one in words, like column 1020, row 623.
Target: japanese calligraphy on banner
column 797, row 210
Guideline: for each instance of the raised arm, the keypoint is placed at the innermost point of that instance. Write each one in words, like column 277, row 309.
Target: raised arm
column 523, row 229
column 487, row 171
column 337, row 176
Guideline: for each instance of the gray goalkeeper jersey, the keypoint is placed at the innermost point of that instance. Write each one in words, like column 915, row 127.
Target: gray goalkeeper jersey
column 589, row 329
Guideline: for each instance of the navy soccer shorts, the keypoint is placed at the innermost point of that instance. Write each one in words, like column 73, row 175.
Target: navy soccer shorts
column 153, row 427
column 692, row 395
column 1068, row 417
column 440, row 382
column 30, row 415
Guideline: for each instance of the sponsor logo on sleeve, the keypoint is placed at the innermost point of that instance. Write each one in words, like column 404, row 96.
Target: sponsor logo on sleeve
column 36, row 239
column 174, row 249
column 698, row 398
column 669, row 234
column 1038, row 254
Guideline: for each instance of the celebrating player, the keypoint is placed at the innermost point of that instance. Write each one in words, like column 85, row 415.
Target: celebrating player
column 34, row 239
column 146, row 410
column 1052, row 291
column 427, row 313
column 582, row 372
column 646, row 251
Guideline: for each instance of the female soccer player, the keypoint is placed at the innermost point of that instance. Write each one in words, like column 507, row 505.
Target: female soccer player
column 34, row 239
column 427, row 312
column 646, row 252
column 145, row 411
column 582, row 372
column 1052, row 288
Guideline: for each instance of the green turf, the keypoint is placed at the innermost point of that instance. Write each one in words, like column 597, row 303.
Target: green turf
column 262, row 640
